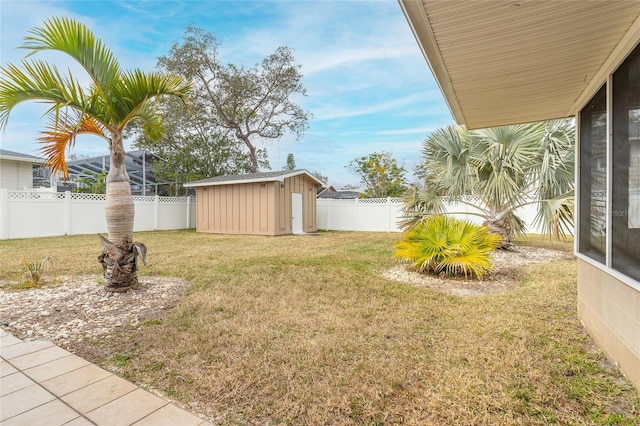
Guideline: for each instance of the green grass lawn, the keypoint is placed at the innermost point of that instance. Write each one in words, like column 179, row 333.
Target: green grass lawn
column 304, row 330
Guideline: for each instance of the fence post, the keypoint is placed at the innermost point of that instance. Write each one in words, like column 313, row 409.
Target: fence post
column 327, row 209
column 67, row 212
column 156, row 211
column 189, row 212
column 4, row 209
column 357, row 218
column 388, row 214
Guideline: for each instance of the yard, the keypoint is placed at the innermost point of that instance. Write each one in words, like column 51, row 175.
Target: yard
column 306, row 330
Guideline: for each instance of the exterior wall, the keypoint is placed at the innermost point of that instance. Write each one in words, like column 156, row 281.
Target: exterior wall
column 302, row 185
column 236, row 209
column 610, row 311
column 260, row 208
column 16, row 175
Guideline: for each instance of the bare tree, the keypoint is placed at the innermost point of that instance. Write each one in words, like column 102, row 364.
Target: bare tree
column 252, row 104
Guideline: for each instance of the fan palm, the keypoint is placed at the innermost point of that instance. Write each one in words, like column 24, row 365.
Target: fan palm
column 113, row 99
column 447, row 245
column 497, row 171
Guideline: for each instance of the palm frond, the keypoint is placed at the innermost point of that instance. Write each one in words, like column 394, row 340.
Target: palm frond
column 131, row 95
column 418, row 205
column 62, row 133
column 38, row 81
column 76, row 40
column 555, row 216
column 445, row 244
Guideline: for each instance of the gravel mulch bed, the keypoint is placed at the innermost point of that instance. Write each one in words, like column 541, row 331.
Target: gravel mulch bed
column 503, row 277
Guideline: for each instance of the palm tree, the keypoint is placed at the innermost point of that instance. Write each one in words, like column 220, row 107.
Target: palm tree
column 113, row 99
column 496, row 171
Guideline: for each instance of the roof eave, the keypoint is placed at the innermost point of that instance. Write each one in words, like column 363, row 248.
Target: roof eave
column 279, row 178
column 414, row 12
column 23, row 159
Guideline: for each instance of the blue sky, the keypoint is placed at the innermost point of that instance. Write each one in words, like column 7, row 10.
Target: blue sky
column 369, row 87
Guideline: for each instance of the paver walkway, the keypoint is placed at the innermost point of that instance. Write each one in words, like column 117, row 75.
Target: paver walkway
column 42, row 384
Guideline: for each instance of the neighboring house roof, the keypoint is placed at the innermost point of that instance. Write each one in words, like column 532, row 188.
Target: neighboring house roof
column 252, row 178
column 341, row 195
column 17, row 156
column 507, row 62
column 320, row 190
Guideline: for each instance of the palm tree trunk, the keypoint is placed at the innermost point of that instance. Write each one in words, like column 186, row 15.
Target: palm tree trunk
column 501, row 227
column 119, row 253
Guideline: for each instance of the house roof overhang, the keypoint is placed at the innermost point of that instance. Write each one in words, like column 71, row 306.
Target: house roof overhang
column 505, row 62
column 23, row 158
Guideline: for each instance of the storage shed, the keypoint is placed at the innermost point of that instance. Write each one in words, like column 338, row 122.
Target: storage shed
column 269, row 203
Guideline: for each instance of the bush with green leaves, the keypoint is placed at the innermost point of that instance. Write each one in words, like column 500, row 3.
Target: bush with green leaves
column 444, row 244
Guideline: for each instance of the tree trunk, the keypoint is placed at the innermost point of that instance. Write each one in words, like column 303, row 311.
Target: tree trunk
column 501, row 227
column 119, row 252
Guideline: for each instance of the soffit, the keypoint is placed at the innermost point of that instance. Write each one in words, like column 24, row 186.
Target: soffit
column 504, row 62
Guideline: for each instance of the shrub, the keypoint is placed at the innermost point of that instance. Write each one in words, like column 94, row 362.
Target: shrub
column 443, row 244
column 32, row 271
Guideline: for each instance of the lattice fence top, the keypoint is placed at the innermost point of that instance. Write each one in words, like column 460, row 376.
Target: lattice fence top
column 144, row 198
column 35, row 195
column 362, row 200
column 92, row 197
column 46, row 195
column 174, row 200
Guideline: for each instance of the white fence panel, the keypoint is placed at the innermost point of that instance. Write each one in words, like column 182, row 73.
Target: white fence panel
column 174, row 211
column 25, row 214
column 385, row 214
column 145, row 218
column 42, row 214
column 37, row 211
column 86, row 214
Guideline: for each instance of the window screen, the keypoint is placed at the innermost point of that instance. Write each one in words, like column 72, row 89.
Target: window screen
column 625, row 207
column 593, row 177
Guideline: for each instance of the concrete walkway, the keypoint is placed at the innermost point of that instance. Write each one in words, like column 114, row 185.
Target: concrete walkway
column 42, row 384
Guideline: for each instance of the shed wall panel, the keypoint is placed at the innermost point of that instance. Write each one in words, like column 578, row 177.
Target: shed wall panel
column 262, row 208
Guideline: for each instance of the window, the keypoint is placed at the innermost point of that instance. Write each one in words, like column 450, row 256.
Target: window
column 593, row 177
column 625, row 197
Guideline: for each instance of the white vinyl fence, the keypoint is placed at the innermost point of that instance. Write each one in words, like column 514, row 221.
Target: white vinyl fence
column 26, row 214
column 383, row 214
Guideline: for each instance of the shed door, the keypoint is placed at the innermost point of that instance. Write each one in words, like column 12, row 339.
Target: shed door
column 296, row 213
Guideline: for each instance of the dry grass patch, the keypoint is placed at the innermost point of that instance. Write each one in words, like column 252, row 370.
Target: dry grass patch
column 305, row 330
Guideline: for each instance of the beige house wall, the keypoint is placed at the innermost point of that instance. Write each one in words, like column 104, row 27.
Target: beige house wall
column 16, row 175
column 261, row 208
column 610, row 311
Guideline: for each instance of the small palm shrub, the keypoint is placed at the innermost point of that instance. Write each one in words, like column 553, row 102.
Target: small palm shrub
column 443, row 244
column 32, row 271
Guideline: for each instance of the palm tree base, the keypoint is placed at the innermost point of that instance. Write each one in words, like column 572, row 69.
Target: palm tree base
column 500, row 227
column 119, row 265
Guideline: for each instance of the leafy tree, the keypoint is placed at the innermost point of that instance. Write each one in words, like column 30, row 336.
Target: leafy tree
column 291, row 163
column 93, row 183
column 252, row 104
column 380, row 174
column 320, row 176
column 113, row 99
column 498, row 170
column 192, row 149
column 442, row 244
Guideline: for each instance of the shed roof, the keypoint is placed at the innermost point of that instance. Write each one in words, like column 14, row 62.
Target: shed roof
column 505, row 62
column 278, row 176
column 17, row 156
